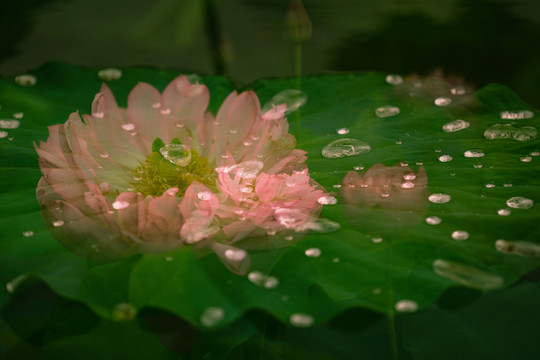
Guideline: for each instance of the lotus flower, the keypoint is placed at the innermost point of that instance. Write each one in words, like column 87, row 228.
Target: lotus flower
column 166, row 173
column 385, row 200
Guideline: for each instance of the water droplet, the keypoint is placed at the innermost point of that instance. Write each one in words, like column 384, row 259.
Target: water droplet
column 327, row 200
column 9, row 124
column 507, row 185
column 165, row 111
column 407, row 185
column 246, row 170
column 387, row 111
column 3, row 134
column 358, row 167
column 504, row 212
column 345, row 147
column 128, row 126
column 521, row 248
column 124, row 312
column 460, row 235
column 26, row 80
column 342, row 131
column 104, row 155
column 28, row 233
column 14, row 284
column 467, row 275
column 235, row 254
column 525, row 159
column 177, row 154
column 393, row 79
column 156, row 105
column 519, row 202
column 490, row 185
column 289, row 238
column 404, row 164
column 247, row 142
column 433, row 220
column 18, row 115
column 458, row 90
column 212, row 316
column 455, row 125
column 516, row 115
column 507, row 131
column 474, row 153
column 313, row 252
column 445, row 158
column 262, row 280
column 322, row 226
column 120, row 204
column 377, row 240
column 439, row 198
column 442, row 101
column 301, row 320
column 58, row 223
column 204, row 195
column 169, row 258
column 406, row 305
column 110, row 74
column 336, row 260
column 409, row 176
column 293, row 98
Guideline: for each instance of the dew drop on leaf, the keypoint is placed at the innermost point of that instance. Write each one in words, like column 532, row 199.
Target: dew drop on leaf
column 58, row 223
column 387, row 111
column 110, row 74
column 345, row 147
column 460, row 235
column 467, row 275
column 28, row 233
column 455, row 125
column 327, row 200
column 301, row 320
column 504, row 212
column 313, row 252
column 406, row 305
column 342, row 131
column 445, row 158
column 520, row 202
column 393, row 79
column 26, row 80
column 521, row 248
column 442, row 101
column 128, row 126
column 474, row 153
column 517, row 115
column 293, row 98
column 212, row 316
column 9, row 124
column 433, row 220
column 439, row 198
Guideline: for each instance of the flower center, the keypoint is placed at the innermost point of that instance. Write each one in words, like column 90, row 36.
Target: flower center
column 173, row 165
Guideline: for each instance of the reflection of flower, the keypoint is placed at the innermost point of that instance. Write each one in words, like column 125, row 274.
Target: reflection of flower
column 385, row 199
column 164, row 172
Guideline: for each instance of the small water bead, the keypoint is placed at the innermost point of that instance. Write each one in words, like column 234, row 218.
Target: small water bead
column 235, row 254
column 508, row 131
column 535, row 153
column 525, row 159
column 327, row 200
column 342, row 131
column 407, row 185
column 442, row 101
column 490, row 185
column 336, row 186
column 409, row 176
column 394, row 79
column 293, row 98
column 262, row 280
column 26, row 80
column 3, row 134
column 301, row 320
column 467, row 275
column 504, row 212
column 28, row 233
column 247, row 142
column 460, row 235
column 433, row 220
column 358, row 167
column 519, row 202
column 177, row 154
column 98, row 114
column 458, row 90
column 439, row 198
column 9, row 124
column 323, row 226
column 58, row 223
column 377, row 240
column 124, row 312
column 204, row 195
column 110, row 74
column 165, row 111
column 406, row 305
column 517, row 115
column 419, row 163
column 313, row 252
column 387, row 111
column 289, row 238
column 345, row 147
column 336, row 260
column 521, row 248
column 445, row 158
column 120, row 204
column 169, row 258
column 128, row 127
column 478, row 166
column 474, row 153
column 18, row 115
column 404, row 164
column 212, row 316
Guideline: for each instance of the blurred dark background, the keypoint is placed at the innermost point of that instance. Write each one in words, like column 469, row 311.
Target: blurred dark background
column 481, row 41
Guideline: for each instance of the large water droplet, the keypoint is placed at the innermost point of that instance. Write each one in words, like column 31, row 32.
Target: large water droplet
column 212, row 316
column 525, row 159
column 301, row 320
column 313, row 252
column 474, row 153
column 393, row 79
column 439, row 198
column 387, row 111
column 9, row 124
column 460, row 235
column 345, row 147
column 246, row 170
column 26, row 80
column 327, row 200
column 262, row 280
column 467, row 275
column 293, row 98
column 519, row 202
column 433, row 220
column 442, row 101
column 445, row 158
column 235, row 254
column 521, row 248
column 507, row 131
column 3, row 134
column 455, row 125
column 177, row 154
column 120, row 204
column 342, row 131
column 516, row 115
column 406, row 305
column 110, row 74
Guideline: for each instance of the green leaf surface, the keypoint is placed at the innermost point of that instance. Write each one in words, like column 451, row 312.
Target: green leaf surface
column 352, row 270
